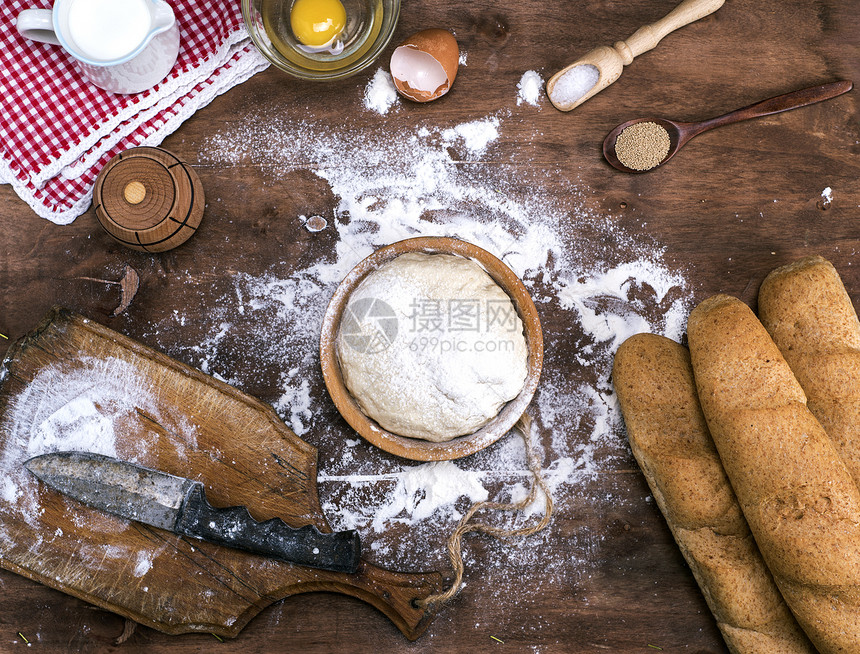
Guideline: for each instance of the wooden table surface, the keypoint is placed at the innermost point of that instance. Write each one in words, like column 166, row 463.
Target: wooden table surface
column 734, row 204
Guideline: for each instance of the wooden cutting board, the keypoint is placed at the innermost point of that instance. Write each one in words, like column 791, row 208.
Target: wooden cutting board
column 74, row 384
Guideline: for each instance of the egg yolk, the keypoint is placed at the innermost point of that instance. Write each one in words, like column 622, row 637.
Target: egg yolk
column 317, row 23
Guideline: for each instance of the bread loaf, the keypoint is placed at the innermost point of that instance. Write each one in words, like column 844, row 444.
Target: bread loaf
column 797, row 495
column 670, row 440
column 809, row 315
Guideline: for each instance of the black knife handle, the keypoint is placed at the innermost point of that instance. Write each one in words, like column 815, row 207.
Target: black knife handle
column 234, row 527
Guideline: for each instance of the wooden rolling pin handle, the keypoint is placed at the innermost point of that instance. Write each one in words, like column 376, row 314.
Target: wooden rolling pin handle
column 647, row 37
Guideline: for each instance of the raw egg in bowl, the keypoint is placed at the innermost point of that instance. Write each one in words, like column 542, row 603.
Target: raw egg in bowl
column 321, row 39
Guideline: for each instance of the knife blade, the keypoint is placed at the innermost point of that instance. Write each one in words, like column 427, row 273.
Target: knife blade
column 179, row 505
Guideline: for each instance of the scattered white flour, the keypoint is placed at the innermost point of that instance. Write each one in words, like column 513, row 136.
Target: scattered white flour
column 617, row 284
column 380, row 94
column 296, row 401
column 529, row 88
column 143, row 564
column 415, row 494
column 826, row 197
column 395, row 185
column 476, row 135
column 9, row 491
column 76, row 406
column 598, row 282
column 574, row 84
column 81, row 419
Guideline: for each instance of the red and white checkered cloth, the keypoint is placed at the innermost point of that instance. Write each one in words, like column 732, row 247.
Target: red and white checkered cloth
column 57, row 130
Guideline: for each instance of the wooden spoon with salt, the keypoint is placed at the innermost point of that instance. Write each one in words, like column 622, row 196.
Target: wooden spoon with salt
column 679, row 133
column 576, row 83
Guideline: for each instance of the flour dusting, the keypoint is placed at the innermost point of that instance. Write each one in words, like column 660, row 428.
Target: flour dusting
column 143, row 563
column 414, row 494
column 530, row 88
column 380, row 95
column 476, row 136
column 395, row 185
column 76, row 406
column 594, row 282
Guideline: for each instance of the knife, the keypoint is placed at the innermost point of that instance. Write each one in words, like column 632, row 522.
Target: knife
column 179, row 505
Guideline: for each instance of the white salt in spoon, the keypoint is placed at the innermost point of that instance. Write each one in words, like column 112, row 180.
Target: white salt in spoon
column 575, row 84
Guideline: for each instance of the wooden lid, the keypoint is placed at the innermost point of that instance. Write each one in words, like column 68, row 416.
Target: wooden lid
column 415, row 448
column 148, row 199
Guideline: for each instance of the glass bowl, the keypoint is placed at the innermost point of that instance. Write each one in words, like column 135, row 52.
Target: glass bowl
column 370, row 26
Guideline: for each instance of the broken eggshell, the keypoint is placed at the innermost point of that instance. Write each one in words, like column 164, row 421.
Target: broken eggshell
column 424, row 66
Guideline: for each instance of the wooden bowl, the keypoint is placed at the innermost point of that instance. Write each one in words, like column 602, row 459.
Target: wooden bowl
column 416, row 448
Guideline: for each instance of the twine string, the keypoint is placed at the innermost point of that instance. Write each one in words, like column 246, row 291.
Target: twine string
column 465, row 526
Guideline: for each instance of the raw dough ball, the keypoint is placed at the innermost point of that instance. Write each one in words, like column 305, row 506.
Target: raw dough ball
column 431, row 347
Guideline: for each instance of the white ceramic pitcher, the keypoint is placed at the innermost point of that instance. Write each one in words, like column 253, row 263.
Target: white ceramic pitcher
column 123, row 46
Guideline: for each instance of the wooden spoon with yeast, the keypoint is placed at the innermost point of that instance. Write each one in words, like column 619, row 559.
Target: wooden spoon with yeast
column 680, row 133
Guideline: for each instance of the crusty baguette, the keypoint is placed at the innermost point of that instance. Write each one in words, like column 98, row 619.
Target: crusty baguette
column 670, row 440
column 797, row 495
column 809, row 315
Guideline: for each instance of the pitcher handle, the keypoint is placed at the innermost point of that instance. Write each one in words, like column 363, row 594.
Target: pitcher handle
column 163, row 17
column 37, row 25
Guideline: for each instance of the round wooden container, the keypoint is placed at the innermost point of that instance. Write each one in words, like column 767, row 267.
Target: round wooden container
column 148, row 200
column 414, row 448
